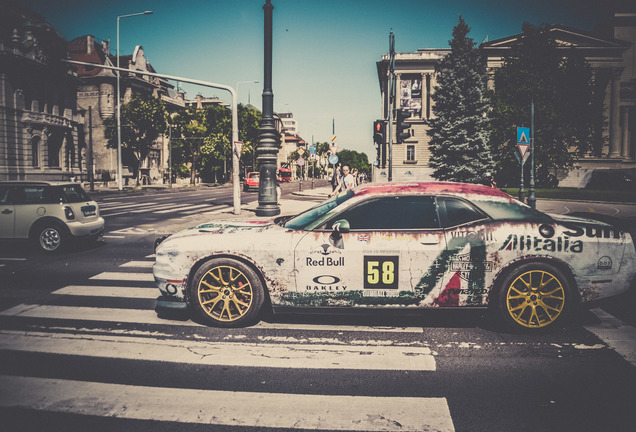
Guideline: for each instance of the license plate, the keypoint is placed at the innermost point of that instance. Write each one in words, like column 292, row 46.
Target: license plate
column 89, row 211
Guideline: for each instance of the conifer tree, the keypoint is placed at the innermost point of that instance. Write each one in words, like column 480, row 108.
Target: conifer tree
column 459, row 137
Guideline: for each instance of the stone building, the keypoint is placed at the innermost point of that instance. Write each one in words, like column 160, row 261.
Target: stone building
column 414, row 83
column 97, row 90
column 41, row 134
column 612, row 47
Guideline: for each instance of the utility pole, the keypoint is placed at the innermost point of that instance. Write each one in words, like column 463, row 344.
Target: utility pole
column 532, row 201
column 89, row 151
column 391, row 100
column 268, row 145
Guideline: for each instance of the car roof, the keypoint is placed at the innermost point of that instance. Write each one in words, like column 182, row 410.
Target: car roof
column 34, row 183
column 433, row 188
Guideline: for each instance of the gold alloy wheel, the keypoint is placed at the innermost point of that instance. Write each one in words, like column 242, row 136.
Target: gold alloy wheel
column 535, row 299
column 225, row 293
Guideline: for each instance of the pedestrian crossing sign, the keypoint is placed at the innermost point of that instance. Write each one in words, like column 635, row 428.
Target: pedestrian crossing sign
column 523, row 135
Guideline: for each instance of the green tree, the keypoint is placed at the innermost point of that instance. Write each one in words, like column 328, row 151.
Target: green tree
column 143, row 119
column 459, row 139
column 568, row 107
column 354, row 160
column 189, row 133
column 249, row 129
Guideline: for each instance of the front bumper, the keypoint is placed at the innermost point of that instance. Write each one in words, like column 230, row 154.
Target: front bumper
column 171, row 303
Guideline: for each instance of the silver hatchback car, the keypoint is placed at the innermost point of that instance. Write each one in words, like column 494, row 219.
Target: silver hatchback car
column 48, row 213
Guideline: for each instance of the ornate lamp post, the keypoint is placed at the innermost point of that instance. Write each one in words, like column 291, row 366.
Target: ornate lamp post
column 268, row 146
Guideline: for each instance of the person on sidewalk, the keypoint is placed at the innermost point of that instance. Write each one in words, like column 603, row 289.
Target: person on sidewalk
column 346, row 182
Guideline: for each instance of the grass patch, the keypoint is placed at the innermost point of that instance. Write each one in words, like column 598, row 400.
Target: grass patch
column 578, row 194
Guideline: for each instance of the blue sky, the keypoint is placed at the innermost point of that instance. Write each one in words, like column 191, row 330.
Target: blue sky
column 325, row 52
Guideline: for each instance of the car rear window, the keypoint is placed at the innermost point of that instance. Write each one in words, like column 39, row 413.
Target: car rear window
column 75, row 193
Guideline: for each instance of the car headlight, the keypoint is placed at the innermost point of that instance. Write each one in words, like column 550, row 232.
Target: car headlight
column 68, row 212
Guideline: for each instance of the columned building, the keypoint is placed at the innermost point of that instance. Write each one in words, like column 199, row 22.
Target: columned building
column 610, row 53
column 40, row 126
column 415, row 80
column 612, row 57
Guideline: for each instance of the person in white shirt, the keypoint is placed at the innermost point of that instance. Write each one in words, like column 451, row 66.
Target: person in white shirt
column 346, row 182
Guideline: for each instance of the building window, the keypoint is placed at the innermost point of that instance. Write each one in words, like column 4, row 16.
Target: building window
column 410, row 153
column 35, row 152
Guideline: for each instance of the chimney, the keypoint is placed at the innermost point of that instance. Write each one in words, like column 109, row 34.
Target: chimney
column 106, row 47
column 90, row 41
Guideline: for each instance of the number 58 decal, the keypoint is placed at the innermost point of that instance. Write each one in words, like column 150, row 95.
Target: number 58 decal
column 381, row 272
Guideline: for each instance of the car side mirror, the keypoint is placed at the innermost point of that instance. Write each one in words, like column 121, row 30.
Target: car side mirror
column 341, row 226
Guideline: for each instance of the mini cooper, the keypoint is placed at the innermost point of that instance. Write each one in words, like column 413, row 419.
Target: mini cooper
column 49, row 214
column 400, row 246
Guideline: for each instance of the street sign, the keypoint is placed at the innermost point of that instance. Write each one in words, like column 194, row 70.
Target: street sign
column 523, row 151
column 313, row 156
column 333, row 159
column 312, row 149
column 238, row 146
column 523, row 135
column 334, row 149
column 301, row 151
column 334, row 138
column 300, row 161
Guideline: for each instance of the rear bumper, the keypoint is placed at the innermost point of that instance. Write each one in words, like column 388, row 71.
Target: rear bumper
column 87, row 229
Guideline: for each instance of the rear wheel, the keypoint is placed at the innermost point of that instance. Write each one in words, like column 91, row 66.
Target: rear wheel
column 226, row 293
column 534, row 296
column 50, row 237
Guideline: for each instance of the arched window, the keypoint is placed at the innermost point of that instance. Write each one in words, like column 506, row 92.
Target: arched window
column 35, row 151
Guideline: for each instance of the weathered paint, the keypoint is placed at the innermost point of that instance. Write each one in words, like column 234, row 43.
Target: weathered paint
column 427, row 268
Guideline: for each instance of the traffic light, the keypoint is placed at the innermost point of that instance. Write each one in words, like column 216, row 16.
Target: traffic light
column 403, row 129
column 379, row 137
column 378, row 132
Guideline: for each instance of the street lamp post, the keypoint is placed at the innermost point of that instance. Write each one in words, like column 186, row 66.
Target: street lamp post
column 119, row 167
column 268, row 145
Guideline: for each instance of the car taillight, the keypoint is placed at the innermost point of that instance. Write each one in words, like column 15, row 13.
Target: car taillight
column 68, row 212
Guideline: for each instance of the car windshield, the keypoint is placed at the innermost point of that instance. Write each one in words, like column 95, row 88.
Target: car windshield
column 300, row 221
column 506, row 210
column 253, row 175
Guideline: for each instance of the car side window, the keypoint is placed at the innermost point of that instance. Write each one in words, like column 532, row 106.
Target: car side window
column 31, row 194
column 459, row 212
column 4, row 194
column 391, row 213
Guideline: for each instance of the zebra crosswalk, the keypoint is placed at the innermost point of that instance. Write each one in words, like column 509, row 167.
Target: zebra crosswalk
column 79, row 322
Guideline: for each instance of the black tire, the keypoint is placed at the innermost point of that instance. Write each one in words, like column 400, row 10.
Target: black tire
column 226, row 293
column 534, row 296
column 50, row 237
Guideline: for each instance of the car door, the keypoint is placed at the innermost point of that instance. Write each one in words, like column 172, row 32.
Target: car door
column 7, row 214
column 391, row 243
column 466, row 263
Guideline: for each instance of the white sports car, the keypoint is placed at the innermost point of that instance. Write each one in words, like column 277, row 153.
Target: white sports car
column 397, row 245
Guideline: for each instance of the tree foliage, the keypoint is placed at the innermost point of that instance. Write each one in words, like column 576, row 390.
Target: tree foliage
column 568, row 106
column 143, row 119
column 459, row 139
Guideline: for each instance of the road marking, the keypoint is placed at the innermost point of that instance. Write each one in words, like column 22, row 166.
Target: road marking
column 131, row 230
column 108, row 291
column 114, row 237
column 272, row 355
column 146, row 277
column 141, row 316
column 12, row 259
column 192, row 207
column 142, row 264
column 275, row 410
column 117, row 207
column 618, row 335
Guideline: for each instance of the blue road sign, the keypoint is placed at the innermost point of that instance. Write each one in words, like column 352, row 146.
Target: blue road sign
column 523, row 135
column 312, row 149
column 333, row 159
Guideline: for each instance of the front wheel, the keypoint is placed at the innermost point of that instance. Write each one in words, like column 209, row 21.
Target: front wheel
column 534, row 296
column 226, row 293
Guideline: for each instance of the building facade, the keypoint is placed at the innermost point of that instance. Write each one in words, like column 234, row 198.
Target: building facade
column 415, row 81
column 41, row 135
column 613, row 51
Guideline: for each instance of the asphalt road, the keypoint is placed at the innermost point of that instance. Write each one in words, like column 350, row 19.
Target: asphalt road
column 82, row 348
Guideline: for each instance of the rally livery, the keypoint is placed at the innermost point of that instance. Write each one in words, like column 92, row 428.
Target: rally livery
column 398, row 245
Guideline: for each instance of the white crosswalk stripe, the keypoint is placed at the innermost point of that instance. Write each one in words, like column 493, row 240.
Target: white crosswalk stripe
column 135, row 283
column 275, row 410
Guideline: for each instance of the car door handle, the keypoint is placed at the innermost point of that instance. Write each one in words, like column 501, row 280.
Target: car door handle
column 7, row 211
column 429, row 243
